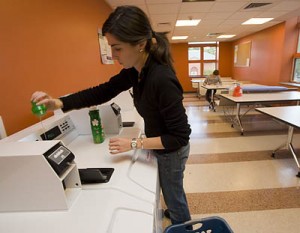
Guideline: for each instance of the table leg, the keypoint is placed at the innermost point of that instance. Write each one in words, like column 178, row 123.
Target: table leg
column 284, row 145
column 288, row 145
column 295, row 157
column 291, row 148
column 238, row 119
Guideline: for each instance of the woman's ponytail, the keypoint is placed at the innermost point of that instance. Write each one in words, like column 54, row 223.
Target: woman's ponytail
column 161, row 49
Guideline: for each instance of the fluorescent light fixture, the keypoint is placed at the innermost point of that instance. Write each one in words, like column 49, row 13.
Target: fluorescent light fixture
column 257, row 21
column 189, row 22
column 179, row 37
column 225, row 36
column 208, row 42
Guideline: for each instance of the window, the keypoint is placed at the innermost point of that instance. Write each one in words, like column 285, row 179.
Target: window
column 210, row 53
column 194, row 53
column 209, row 68
column 296, row 70
column 194, row 69
column 296, row 77
column 203, row 59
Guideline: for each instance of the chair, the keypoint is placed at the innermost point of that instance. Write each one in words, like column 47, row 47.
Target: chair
column 204, row 225
column 2, row 129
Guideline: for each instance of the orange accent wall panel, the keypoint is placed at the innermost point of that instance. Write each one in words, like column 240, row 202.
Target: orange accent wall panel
column 180, row 56
column 266, row 48
column 271, row 54
column 51, row 46
column 225, row 59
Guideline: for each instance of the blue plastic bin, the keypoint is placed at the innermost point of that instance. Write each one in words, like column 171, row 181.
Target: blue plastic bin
column 205, row 225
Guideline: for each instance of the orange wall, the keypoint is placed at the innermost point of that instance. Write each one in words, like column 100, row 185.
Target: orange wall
column 52, row 45
column 48, row 45
column 225, row 59
column 271, row 54
column 180, row 56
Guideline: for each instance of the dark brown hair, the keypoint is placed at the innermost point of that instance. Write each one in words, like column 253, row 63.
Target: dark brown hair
column 216, row 72
column 131, row 25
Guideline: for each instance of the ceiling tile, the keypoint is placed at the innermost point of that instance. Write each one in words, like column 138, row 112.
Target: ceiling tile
column 196, row 7
column 163, row 8
column 227, row 6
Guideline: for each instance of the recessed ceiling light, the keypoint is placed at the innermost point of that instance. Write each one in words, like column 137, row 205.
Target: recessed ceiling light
column 179, row 37
column 257, row 21
column 225, row 36
column 188, row 22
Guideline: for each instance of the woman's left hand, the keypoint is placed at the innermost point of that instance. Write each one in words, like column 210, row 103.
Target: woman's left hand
column 119, row 145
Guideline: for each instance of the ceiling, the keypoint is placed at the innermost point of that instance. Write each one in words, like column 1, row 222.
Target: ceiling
column 217, row 16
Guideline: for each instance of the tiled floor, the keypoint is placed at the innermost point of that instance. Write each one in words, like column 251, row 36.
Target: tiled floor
column 235, row 177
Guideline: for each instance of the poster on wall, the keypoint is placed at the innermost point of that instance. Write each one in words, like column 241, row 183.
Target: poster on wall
column 105, row 49
column 242, row 54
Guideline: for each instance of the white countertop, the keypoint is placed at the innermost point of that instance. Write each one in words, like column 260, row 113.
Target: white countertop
column 127, row 203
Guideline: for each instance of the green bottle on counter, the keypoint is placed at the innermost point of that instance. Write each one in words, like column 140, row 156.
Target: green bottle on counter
column 97, row 130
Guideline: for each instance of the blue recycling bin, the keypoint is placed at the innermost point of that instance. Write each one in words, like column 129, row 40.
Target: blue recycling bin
column 211, row 224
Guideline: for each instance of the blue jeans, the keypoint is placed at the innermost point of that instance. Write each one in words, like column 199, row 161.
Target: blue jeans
column 171, row 167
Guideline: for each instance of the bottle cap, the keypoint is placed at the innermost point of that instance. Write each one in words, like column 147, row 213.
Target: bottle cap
column 93, row 108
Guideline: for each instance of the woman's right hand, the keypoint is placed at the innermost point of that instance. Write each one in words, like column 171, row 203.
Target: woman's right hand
column 40, row 97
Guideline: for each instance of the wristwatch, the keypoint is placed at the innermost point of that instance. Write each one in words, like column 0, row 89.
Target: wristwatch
column 133, row 143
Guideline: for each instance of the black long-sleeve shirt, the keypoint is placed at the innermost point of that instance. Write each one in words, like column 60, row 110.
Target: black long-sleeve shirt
column 157, row 96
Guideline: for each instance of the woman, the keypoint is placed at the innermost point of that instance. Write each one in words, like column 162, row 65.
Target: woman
column 157, row 97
